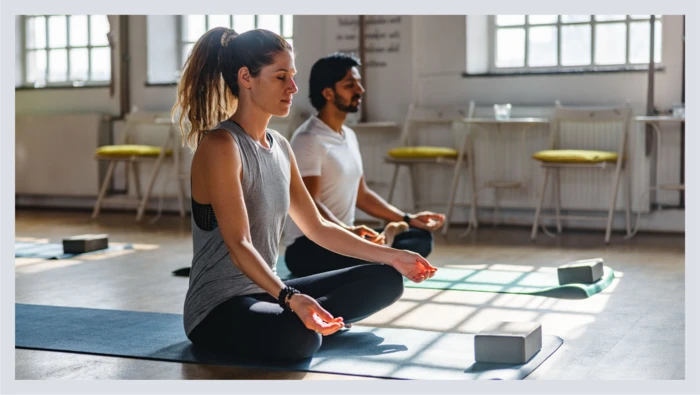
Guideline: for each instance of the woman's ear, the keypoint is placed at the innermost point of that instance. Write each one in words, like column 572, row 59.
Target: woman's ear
column 244, row 78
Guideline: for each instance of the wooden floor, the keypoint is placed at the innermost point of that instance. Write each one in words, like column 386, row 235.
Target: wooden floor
column 632, row 330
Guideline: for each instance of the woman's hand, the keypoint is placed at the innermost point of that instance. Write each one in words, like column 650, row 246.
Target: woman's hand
column 367, row 234
column 314, row 317
column 412, row 266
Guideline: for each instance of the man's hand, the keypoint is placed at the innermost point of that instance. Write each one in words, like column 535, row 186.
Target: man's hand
column 367, row 234
column 427, row 220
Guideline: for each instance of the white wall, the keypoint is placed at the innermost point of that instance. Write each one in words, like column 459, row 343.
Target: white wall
column 43, row 165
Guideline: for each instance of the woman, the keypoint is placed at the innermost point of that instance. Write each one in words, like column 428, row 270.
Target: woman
column 244, row 182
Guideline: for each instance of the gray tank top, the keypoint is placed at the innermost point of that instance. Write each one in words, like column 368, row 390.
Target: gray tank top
column 266, row 176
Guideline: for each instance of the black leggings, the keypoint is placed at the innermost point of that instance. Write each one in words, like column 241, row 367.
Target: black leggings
column 304, row 257
column 255, row 326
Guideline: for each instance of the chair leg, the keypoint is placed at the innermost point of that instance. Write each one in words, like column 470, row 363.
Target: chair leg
column 414, row 186
column 628, row 208
column 475, row 195
column 127, row 178
column 103, row 189
column 557, row 191
column 543, row 188
column 611, row 211
column 453, row 194
column 137, row 180
column 393, row 183
column 473, row 218
column 149, row 189
column 178, row 176
column 160, row 201
column 180, row 187
column 181, row 195
column 495, row 207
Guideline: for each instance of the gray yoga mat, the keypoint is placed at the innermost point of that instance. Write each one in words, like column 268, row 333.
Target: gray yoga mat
column 360, row 351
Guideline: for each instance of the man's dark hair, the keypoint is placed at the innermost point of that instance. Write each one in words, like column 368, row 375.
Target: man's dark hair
column 326, row 72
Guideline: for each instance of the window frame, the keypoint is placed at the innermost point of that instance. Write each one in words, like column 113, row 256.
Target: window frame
column 181, row 43
column 559, row 69
column 88, row 83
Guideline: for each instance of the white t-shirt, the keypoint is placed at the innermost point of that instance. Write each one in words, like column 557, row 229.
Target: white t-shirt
column 321, row 151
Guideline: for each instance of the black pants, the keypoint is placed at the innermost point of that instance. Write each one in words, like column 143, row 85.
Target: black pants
column 304, row 257
column 255, row 326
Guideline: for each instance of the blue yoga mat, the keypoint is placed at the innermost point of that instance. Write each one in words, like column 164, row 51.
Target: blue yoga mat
column 55, row 250
column 360, row 351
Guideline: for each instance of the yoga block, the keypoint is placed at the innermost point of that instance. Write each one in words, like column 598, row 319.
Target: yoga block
column 85, row 243
column 508, row 342
column 586, row 271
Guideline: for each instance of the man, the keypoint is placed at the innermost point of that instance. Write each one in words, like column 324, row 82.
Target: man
column 329, row 160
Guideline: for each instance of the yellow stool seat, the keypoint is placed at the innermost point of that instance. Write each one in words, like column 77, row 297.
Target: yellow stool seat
column 575, row 156
column 423, row 152
column 129, row 150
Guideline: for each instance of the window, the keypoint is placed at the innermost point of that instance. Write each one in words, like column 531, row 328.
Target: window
column 194, row 26
column 561, row 42
column 65, row 50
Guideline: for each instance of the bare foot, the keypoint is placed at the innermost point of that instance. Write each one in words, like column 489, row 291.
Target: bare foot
column 393, row 229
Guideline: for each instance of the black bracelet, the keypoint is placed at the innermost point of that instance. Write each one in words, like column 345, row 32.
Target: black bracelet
column 407, row 219
column 284, row 296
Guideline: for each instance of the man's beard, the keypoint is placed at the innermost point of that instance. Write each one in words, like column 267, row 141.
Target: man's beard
column 349, row 107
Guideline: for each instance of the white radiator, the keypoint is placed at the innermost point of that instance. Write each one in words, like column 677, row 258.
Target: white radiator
column 54, row 154
column 507, row 156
